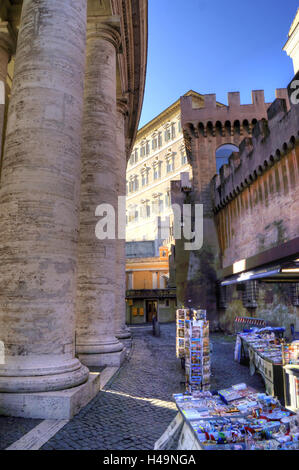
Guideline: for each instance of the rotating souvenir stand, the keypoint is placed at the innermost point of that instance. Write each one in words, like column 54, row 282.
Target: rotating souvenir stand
column 180, row 333
column 197, row 360
column 183, row 317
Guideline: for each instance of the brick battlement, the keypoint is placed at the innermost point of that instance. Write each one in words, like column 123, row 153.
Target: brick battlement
column 216, row 118
column 271, row 140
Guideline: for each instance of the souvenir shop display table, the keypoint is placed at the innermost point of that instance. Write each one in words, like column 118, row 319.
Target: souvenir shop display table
column 237, row 418
column 264, row 353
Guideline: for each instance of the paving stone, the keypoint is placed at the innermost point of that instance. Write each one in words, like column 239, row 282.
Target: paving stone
column 136, row 405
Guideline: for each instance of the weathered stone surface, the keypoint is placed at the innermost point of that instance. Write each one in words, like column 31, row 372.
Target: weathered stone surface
column 39, row 198
column 7, row 48
column 97, row 258
column 259, row 196
column 121, row 331
column 206, row 129
column 40, row 180
column 61, row 404
column 137, row 405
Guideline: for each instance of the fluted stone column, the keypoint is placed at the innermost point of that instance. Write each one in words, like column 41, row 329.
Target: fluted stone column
column 39, row 200
column 121, row 330
column 96, row 342
column 7, row 48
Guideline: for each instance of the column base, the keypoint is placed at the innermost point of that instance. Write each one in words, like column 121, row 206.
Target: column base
column 62, row 404
column 44, row 373
column 112, row 359
column 125, row 333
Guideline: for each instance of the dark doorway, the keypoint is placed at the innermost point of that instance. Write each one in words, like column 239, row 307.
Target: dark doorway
column 151, row 308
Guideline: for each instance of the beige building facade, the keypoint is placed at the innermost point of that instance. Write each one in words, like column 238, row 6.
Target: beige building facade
column 68, row 119
column 158, row 157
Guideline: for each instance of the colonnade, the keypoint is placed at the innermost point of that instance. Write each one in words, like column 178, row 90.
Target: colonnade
column 62, row 290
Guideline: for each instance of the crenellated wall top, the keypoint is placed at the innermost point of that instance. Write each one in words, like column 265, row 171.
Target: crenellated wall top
column 198, row 121
column 271, row 139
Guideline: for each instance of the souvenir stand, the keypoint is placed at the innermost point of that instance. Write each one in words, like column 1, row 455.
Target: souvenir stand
column 197, row 352
column 267, row 354
column 192, row 347
column 180, row 334
column 236, row 418
column 291, row 370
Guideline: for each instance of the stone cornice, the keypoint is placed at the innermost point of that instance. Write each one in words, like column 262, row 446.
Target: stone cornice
column 294, row 23
column 292, row 41
column 135, row 31
column 105, row 27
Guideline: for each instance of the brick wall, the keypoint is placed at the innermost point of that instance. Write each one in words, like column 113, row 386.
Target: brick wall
column 263, row 215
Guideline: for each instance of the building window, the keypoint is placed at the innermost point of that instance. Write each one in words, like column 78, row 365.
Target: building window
column 134, row 157
column 167, row 134
column 183, row 158
column 156, row 173
column 145, row 209
column 144, row 177
column 133, row 214
column 155, row 143
column 173, row 133
column 147, row 148
column 167, row 199
column 157, row 170
column 156, row 140
column 133, row 184
column 144, row 149
column 170, row 164
column 170, row 132
column 179, row 126
column 148, row 211
column 160, row 139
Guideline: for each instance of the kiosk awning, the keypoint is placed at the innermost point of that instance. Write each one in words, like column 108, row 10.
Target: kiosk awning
column 286, row 272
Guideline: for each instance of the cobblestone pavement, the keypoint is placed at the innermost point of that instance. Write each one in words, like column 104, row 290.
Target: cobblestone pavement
column 12, row 429
column 227, row 372
column 136, row 406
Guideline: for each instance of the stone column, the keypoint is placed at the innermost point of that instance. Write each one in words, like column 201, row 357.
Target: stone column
column 96, row 342
column 121, row 331
column 7, row 48
column 39, row 200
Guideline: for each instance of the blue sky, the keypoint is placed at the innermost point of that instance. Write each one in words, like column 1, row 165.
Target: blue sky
column 216, row 46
